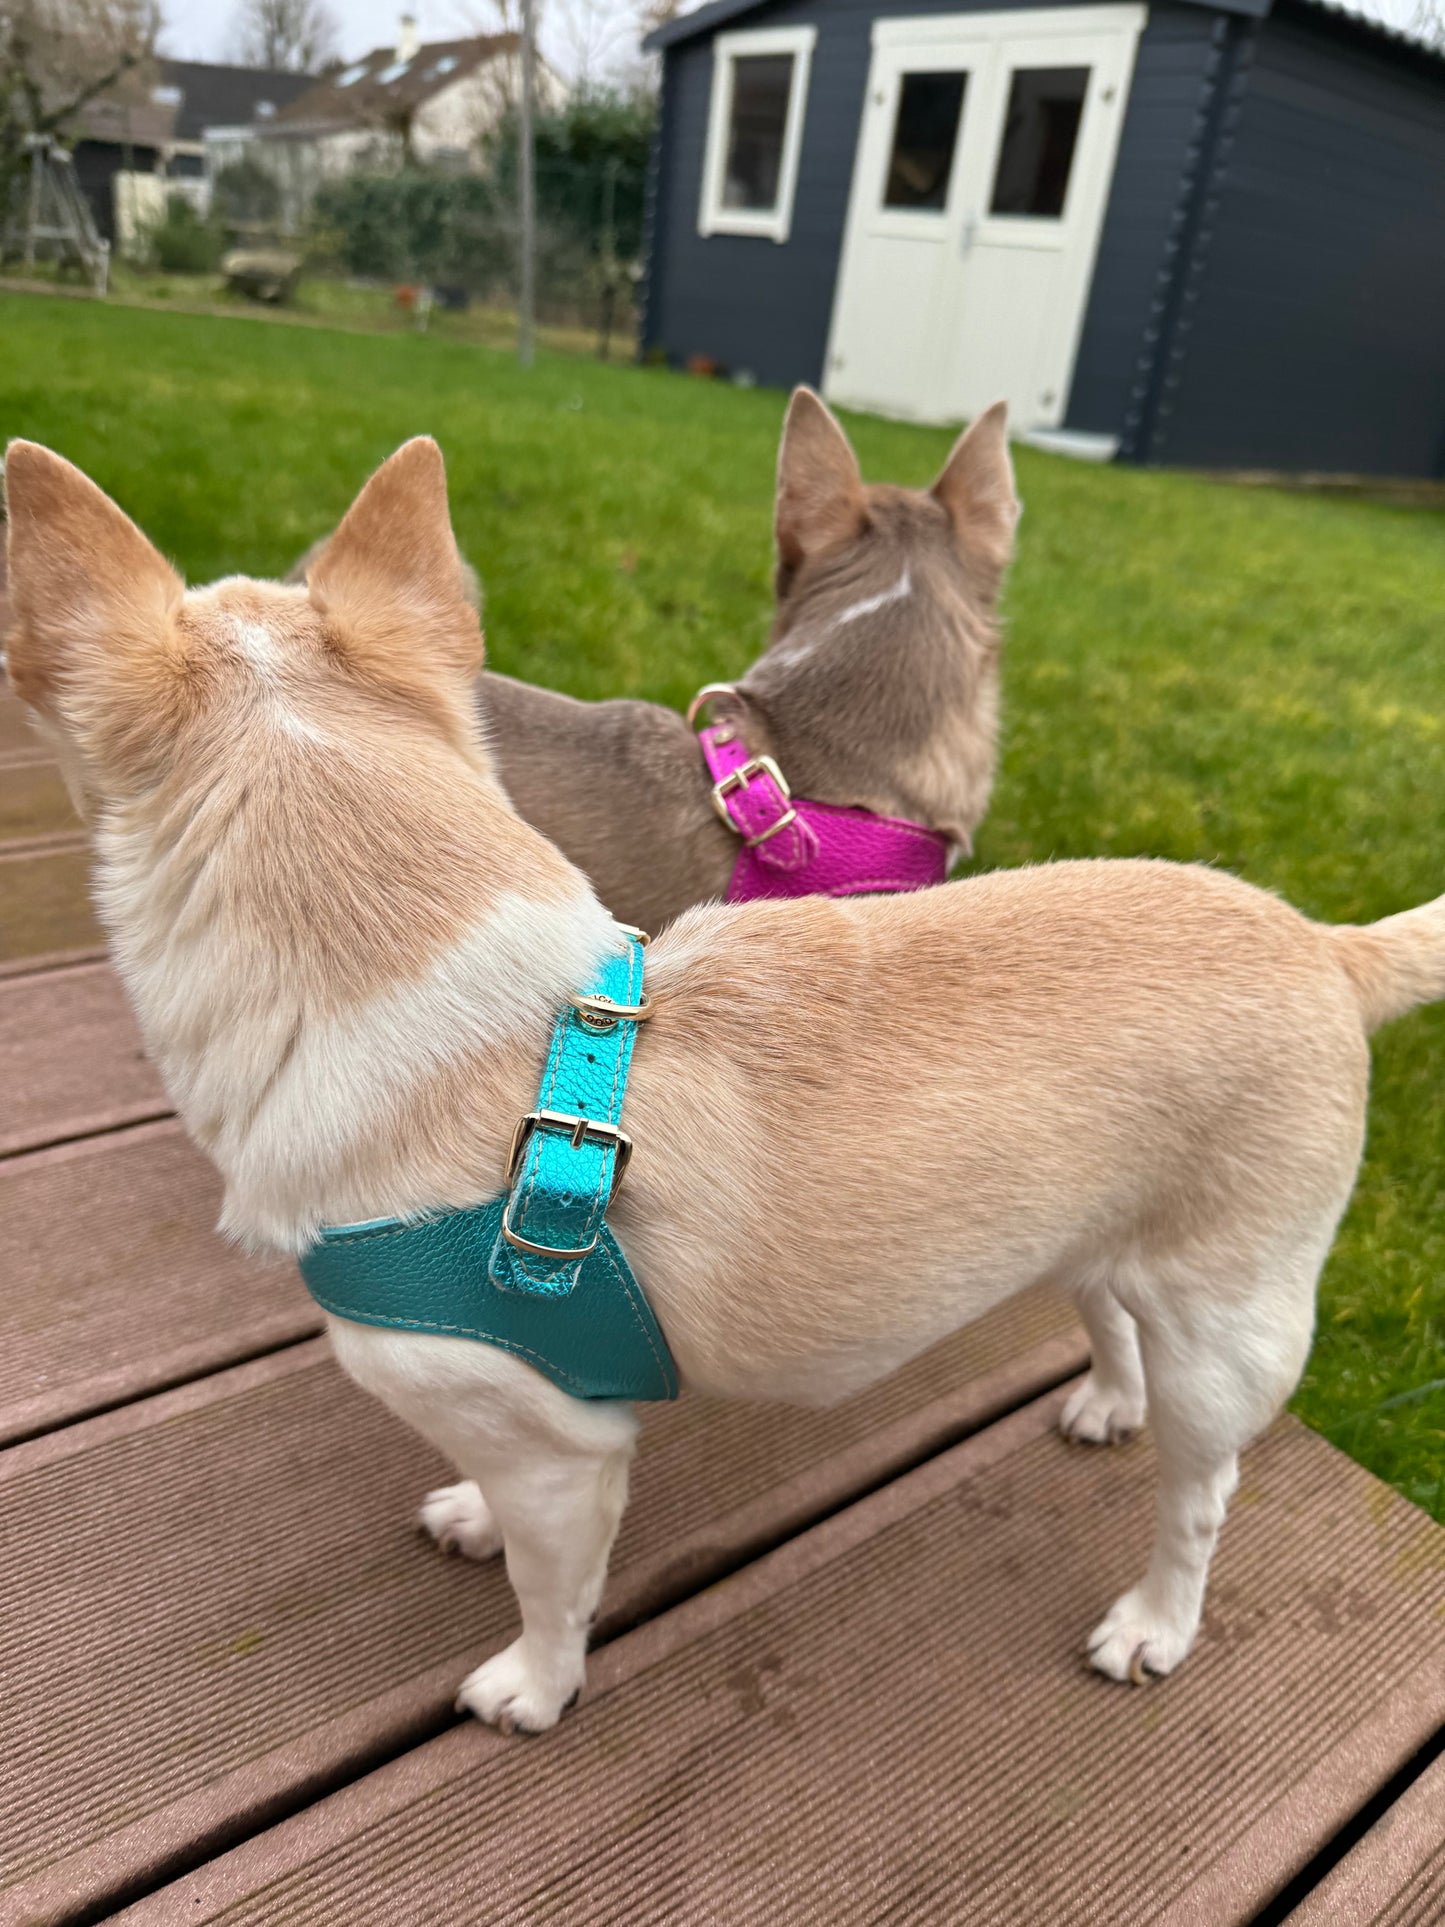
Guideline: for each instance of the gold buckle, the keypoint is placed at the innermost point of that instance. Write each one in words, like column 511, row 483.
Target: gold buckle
column 581, row 1129
column 600, row 1013
column 705, row 695
column 558, row 1253
column 739, row 778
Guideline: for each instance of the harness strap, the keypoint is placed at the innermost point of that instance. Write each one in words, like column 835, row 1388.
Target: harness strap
column 569, row 1154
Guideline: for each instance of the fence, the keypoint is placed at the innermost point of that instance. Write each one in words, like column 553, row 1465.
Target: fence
column 455, row 239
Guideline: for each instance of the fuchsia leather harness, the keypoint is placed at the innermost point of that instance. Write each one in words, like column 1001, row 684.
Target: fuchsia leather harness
column 792, row 847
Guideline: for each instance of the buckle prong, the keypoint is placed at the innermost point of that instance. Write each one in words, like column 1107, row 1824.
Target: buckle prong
column 579, row 1129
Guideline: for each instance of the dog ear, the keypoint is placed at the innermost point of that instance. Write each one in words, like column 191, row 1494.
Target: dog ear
column 390, row 580
column 820, row 502
column 977, row 489
column 93, row 638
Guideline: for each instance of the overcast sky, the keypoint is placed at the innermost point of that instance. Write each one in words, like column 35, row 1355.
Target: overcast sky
column 200, row 29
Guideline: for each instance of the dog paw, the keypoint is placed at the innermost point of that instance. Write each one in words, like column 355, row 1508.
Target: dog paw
column 1134, row 1645
column 460, row 1520
column 1098, row 1415
column 516, row 1696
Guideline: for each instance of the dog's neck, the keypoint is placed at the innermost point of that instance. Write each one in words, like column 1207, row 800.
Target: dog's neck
column 880, row 687
column 354, row 1036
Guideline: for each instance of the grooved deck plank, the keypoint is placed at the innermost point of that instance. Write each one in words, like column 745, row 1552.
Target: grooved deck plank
column 220, row 1603
column 1395, row 1876
column 888, row 1719
column 33, row 799
column 71, row 1059
column 115, row 1281
column 45, row 905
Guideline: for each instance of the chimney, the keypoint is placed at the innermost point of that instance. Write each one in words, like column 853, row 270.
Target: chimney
column 409, row 40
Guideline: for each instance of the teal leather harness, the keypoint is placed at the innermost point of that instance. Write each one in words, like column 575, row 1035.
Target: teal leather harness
column 536, row 1271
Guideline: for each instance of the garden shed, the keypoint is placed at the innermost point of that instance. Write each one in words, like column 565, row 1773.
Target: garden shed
column 1206, row 232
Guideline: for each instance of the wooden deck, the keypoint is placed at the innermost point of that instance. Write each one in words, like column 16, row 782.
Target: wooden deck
column 837, row 1675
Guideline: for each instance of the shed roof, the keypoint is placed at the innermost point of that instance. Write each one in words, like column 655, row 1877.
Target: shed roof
column 718, row 13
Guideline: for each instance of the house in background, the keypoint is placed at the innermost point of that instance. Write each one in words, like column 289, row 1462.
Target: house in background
column 1207, row 232
column 431, row 104
column 137, row 143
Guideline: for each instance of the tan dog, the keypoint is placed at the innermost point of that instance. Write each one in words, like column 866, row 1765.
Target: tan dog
column 858, row 1124
column 879, row 687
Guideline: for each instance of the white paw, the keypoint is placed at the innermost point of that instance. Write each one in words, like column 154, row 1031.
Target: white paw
column 1098, row 1415
column 514, row 1694
column 1136, row 1645
column 460, row 1520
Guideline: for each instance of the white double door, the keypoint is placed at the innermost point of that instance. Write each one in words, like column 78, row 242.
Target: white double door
column 984, row 162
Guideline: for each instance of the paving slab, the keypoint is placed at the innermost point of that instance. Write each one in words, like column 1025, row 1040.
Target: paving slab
column 888, row 1719
column 1395, row 1876
column 218, row 1605
column 45, row 907
column 71, row 1059
column 115, row 1282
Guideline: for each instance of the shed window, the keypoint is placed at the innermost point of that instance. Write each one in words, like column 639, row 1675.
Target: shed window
column 924, row 137
column 1040, row 132
column 755, row 131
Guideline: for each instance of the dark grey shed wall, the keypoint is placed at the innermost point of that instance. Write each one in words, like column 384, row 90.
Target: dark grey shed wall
column 1317, row 339
column 764, row 307
column 1169, row 105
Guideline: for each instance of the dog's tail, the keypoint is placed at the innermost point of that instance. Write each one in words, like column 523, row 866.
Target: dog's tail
column 1395, row 964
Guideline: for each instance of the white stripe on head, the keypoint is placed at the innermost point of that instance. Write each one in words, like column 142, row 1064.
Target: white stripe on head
column 794, row 651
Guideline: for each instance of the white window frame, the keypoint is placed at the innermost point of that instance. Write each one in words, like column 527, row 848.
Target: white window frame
column 775, row 223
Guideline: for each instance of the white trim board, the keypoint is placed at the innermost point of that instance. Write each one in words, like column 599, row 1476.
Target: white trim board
column 775, row 223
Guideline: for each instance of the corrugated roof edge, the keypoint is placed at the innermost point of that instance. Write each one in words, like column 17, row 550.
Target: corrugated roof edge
column 718, row 13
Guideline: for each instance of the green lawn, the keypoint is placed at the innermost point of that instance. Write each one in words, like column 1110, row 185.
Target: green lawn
column 1225, row 676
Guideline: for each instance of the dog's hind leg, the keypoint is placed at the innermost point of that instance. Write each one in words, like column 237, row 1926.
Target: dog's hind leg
column 558, row 1514
column 1218, row 1368
column 1108, row 1405
column 459, row 1519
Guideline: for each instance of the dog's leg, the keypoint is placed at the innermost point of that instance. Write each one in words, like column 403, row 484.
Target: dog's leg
column 1109, row 1405
column 1218, row 1370
column 459, row 1519
column 558, row 1516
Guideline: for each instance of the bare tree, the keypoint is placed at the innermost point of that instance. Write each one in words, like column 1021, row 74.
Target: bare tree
column 1427, row 23
column 299, row 34
column 56, row 56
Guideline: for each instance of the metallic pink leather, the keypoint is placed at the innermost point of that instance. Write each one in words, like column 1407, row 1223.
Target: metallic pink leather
column 793, row 847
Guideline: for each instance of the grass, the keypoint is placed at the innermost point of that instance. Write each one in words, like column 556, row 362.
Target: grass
column 324, row 300
column 1245, row 678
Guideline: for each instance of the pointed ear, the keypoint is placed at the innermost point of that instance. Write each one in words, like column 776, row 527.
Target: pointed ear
column 390, row 580
column 820, row 492
column 92, row 602
column 977, row 489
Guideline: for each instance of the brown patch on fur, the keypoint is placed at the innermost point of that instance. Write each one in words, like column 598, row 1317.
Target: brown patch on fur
column 94, row 640
column 820, row 505
column 391, row 576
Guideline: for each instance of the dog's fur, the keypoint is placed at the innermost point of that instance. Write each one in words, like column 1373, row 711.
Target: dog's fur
column 858, row 1124
column 879, row 686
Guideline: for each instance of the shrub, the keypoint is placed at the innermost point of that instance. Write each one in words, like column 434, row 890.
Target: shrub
column 181, row 242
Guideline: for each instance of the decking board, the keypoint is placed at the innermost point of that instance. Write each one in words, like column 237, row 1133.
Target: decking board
column 888, row 1719
column 226, row 1605
column 33, row 797
column 1395, row 1876
column 115, row 1281
column 45, row 907
column 71, row 1059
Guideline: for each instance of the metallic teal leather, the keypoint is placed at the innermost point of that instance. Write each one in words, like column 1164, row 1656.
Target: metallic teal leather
column 565, row 1180
column 583, row 1320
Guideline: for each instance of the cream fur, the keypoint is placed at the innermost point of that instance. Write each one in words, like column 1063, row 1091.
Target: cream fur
column 858, row 1124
